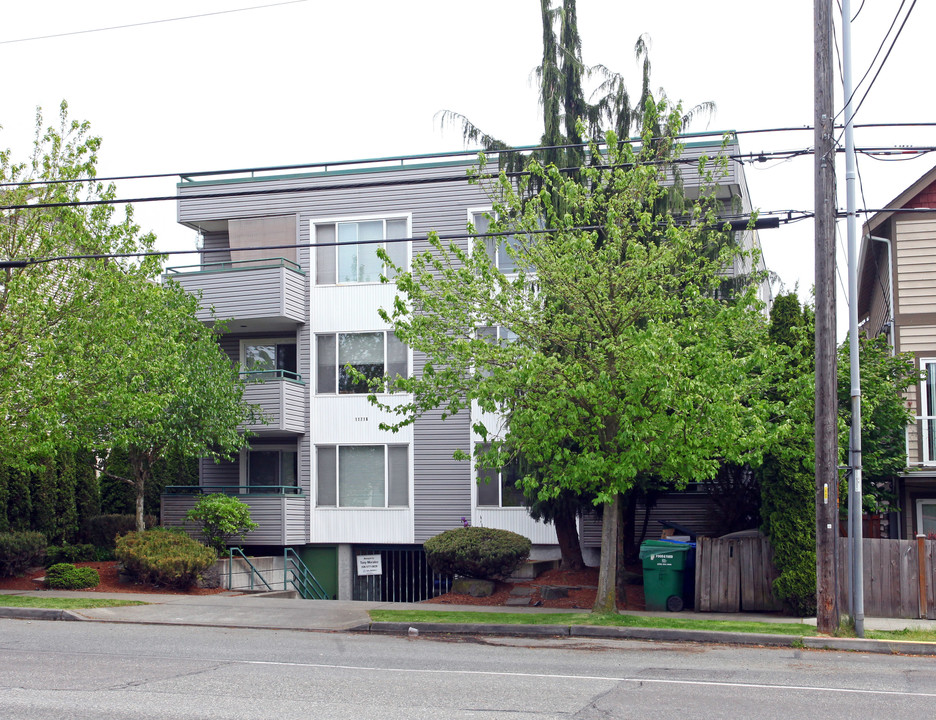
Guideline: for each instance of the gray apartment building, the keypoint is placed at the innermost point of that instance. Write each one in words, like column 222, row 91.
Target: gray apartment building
column 290, row 263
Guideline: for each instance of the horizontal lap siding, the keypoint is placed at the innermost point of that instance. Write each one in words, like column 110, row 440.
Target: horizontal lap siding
column 221, row 474
column 282, row 519
column 693, row 510
column 916, row 265
column 258, row 293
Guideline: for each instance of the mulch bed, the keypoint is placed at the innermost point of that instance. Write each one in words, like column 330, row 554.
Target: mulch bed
column 110, row 582
column 582, row 587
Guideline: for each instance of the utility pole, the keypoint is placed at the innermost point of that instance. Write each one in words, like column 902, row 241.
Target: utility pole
column 856, row 571
column 827, row 613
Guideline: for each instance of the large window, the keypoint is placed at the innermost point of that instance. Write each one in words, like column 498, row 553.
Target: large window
column 373, row 354
column 928, row 410
column 926, row 517
column 362, row 475
column 495, row 247
column 270, row 469
column 350, row 252
column 269, row 358
column 498, row 488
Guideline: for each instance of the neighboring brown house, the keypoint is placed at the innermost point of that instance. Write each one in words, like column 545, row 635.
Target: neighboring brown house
column 897, row 298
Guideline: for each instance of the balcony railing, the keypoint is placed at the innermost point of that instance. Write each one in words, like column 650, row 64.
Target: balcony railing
column 234, row 266
column 233, row 490
column 255, row 376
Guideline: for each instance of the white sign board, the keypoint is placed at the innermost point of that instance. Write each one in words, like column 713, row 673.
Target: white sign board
column 369, row 565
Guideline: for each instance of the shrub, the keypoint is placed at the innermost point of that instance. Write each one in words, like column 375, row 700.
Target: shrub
column 65, row 576
column 223, row 518
column 102, row 530
column 69, row 554
column 477, row 552
column 163, row 557
column 20, row 551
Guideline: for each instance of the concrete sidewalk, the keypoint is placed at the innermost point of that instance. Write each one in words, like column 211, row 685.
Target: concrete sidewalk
column 232, row 610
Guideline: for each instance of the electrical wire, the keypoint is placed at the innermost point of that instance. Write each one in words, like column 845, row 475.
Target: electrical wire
column 149, row 22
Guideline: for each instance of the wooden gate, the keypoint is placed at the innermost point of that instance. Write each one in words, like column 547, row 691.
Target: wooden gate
column 735, row 575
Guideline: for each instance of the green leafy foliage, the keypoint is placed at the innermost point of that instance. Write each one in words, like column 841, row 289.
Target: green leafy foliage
column 20, row 551
column 628, row 362
column 164, row 557
column 102, row 530
column 477, row 552
column 56, row 554
column 65, row 576
column 787, row 473
column 223, row 518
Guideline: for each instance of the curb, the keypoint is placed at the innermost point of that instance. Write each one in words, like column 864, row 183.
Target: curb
column 13, row 613
column 886, row 647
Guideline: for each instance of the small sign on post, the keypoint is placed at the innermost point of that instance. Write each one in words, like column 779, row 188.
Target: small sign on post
column 369, row 565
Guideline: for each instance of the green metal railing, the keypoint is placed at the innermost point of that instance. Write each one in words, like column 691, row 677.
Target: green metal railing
column 253, row 571
column 233, row 490
column 302, row 578
column 257, row 376
column 235, row 265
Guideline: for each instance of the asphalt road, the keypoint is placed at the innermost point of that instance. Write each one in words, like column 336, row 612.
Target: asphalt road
column 117, row 672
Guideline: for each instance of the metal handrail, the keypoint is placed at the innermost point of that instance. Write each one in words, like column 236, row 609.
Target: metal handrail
column 253, row 570
column 302, row 580
column 235, row 265
column 233, row 490
column 277, row 374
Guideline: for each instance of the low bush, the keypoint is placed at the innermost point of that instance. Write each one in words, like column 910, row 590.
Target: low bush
column 477, row 552
column 65, row 576
column 163, row 557
column 20, row 551
column 56, row 554
column 102, row 530
column 223, row 519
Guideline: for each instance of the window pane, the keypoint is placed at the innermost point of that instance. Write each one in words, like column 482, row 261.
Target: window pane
column 487, row 488
column 397, row 364
column 262, row 468
column 511, row 495
column 505, row 263
column 289, row 468
column 260, row 357
column 370, row 266
column 361, row 476
column 326, row 471
column 325, row 257
column 365, row 353
column 286, row 359
column 397, row 251
column 347, row 252
column 399, row 475
column 327, row 367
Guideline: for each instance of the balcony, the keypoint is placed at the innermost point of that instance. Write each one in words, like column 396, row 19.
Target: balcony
column 283, row 398
column 280, row 511
column 255, row 295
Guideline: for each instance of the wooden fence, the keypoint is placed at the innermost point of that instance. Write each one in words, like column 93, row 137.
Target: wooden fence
column 899, row 578
column 737, row 574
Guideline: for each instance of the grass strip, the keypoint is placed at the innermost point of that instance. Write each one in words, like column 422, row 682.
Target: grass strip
column 566, row 619
column 57, row 603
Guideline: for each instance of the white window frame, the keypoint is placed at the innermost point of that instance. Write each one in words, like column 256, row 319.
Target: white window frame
column 244, row 465
column 927, row 414
column 337, row 378
column 315, row 223
column 919, row 512
column 281, row 340
column 386, row 472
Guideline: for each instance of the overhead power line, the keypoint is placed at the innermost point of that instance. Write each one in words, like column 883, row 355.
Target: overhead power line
column 149, row 22
column 323, row 166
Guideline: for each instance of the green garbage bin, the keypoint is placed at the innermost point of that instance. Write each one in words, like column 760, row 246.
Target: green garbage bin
column 663, row 566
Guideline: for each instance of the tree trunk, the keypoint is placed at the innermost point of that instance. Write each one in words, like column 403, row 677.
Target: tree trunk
column 606, row 598
column 568, row 538
column 138, row 486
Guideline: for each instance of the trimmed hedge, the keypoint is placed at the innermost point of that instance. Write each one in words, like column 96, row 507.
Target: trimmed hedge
column 478, row 552
column 65, row 576
column 56, row 554
column 102, row 530
column 164, row 557
column 20, row 551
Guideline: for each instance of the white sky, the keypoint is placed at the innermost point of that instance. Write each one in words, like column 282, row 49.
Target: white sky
column 323, row 81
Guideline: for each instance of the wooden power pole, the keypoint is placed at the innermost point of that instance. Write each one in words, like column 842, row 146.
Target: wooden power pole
column 827, row 613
